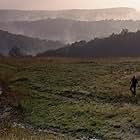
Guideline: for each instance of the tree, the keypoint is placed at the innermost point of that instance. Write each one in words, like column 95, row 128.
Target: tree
column 15, row 52
column 1, row 55
column 124, row 32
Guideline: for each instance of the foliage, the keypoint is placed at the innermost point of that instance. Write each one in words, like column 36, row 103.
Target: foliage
column 19, row 45
column 125, row 44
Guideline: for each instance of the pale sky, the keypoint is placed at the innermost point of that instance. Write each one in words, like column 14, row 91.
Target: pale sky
column 67, row 4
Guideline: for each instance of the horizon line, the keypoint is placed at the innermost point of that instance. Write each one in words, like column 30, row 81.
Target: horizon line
column 16, row 9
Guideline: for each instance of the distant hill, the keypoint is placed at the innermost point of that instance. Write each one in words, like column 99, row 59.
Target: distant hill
column 124, row 44
column 28, row 46
column 69, row 30
column 81, row 14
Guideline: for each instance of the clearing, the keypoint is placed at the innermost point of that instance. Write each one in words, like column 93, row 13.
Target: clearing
column 71, row 98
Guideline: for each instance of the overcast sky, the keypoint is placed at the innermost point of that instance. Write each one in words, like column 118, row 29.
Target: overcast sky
column 67, row 4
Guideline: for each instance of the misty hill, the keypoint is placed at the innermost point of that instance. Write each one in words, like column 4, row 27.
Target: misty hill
column 69, row 30
column 124, row 44
column 28, row 46
column 86, row 15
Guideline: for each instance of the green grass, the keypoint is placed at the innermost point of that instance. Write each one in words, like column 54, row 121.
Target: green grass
column 8, row 132
column 77, row 97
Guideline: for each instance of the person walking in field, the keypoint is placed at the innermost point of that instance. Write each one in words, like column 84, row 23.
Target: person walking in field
column 133, row 85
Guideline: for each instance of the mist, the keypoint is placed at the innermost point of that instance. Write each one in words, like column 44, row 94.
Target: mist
column 67, row 4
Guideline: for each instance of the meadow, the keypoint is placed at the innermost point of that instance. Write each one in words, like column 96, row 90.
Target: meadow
column 72, row 98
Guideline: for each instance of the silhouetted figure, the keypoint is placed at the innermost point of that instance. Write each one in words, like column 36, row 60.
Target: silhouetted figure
column 133, row 85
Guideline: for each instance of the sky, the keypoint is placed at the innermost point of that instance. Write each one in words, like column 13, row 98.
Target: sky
column 67, row 4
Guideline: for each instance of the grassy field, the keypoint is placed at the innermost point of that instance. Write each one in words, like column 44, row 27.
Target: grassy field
column 75, row 97
column 8, row 132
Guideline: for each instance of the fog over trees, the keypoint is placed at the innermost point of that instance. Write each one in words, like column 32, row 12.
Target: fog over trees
column 125, row 44
column 17, row 45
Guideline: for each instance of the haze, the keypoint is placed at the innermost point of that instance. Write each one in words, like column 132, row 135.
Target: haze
column 67, row 4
